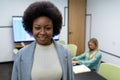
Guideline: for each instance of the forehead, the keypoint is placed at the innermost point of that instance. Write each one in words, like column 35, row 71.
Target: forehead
column 91, row 42
column 42, row 18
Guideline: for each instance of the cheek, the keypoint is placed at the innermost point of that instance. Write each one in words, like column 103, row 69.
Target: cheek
column 50, row 33
column 91, row 47
column 35, row 33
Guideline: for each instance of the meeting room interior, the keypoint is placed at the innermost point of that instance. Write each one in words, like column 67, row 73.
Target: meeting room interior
column 81, row 21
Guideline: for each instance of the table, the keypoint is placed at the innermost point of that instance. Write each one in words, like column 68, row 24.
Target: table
column 6, row 70
column 88, row 76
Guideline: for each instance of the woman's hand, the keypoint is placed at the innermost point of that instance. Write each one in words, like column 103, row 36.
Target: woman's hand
column 74, row 62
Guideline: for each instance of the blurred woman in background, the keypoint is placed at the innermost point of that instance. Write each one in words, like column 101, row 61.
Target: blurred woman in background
column 91, row 58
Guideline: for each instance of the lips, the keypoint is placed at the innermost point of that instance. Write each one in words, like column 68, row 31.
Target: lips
column 42, row 38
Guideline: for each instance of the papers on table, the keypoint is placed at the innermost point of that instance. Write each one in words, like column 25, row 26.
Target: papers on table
column 80, row 69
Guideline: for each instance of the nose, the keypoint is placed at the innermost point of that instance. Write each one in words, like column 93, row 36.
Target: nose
column 42, row 31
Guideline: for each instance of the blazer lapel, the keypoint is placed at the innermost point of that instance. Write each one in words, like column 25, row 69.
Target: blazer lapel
column 27, row 61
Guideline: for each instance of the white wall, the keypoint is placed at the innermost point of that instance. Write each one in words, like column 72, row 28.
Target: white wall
column 6, row 44
column 16, row 8
column 103, row 18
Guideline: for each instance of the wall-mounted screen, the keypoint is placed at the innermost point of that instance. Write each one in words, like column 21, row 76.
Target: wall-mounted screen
column 19, row 34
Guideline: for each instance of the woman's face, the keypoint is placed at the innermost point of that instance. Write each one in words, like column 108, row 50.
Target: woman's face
column 43, row 30
column 92, row 46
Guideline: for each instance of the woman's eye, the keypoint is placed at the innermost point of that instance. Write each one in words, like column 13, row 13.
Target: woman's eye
column 48, row 28
column 37, row 28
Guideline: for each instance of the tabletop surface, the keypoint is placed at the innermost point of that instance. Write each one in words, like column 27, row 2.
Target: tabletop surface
column 88, row 76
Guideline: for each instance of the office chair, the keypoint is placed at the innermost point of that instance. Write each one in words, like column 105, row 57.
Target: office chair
column 62, row 42
column 73, row 49
column 109, row 71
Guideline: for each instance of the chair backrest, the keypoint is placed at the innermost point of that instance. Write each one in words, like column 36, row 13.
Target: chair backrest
column 109, row 71
column 62, row 41
column 98, row 62
column 73, row 49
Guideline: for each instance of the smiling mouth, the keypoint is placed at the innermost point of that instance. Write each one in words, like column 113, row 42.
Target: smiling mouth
column 42, row 38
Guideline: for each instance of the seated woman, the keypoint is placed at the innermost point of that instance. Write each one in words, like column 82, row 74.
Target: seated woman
column 90, row 58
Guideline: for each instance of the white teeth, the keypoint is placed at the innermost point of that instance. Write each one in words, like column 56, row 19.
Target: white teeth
column 41, row 37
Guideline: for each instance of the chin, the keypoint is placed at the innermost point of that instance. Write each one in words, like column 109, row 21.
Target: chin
column 91, row 49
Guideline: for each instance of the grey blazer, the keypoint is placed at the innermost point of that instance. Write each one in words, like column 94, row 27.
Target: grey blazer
column 24, row 59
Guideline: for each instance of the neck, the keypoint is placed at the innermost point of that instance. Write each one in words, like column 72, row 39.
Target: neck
column 93, row 53
column 94, row 49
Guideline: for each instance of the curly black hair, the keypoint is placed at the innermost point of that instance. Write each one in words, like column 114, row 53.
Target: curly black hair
column 42, row 8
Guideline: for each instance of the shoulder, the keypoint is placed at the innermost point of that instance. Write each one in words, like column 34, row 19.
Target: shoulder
column 61, row 46
column 25, row 51
column 62, row 49
column 99, row 53
column 27, row 48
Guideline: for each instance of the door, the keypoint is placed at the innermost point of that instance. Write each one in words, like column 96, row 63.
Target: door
column 76, row 24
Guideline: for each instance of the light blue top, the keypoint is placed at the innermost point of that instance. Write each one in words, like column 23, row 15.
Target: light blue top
column 24, row 60
column 93, row 63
